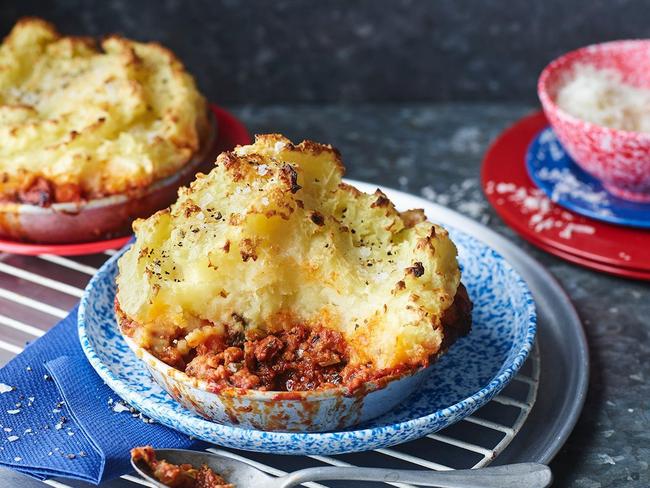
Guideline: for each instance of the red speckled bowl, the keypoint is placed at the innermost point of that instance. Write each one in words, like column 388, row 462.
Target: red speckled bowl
column 619, row 159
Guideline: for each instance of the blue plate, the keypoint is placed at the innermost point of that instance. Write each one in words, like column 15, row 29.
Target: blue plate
column 564, row 182
column 474, row 370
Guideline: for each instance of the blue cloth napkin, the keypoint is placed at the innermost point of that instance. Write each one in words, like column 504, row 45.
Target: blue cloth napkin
column 59, row 419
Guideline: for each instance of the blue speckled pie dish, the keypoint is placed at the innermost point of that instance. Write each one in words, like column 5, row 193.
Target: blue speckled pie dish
column 475, row 369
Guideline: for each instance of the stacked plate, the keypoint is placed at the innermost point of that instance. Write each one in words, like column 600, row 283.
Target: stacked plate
column 542, row 194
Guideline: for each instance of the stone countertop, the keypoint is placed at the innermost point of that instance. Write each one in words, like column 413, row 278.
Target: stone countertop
column 435, row 151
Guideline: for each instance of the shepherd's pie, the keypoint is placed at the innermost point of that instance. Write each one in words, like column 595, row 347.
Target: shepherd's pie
column 80, row 121
column 272, row 273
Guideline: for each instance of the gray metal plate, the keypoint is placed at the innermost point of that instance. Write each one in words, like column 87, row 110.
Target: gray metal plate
column 563, row 348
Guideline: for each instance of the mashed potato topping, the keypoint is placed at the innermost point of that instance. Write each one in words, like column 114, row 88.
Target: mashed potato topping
column 272, row 238
column 81, row 122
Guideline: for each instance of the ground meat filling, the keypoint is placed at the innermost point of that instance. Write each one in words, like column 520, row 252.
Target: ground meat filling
column 296, row 359
column 299, row 358
column 39, row 193
column 43, row 193
column 178, row 476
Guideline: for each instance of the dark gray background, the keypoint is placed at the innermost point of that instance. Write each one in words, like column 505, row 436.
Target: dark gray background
column 263, row 51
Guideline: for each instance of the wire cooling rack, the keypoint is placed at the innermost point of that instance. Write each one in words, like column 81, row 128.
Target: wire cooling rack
column 37, row 291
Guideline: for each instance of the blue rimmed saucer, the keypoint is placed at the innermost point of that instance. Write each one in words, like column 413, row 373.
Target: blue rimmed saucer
column 474, row 370
column 565, row 183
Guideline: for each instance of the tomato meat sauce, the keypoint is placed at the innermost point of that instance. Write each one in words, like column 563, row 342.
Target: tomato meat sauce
column 298, row 358
column 178, row 475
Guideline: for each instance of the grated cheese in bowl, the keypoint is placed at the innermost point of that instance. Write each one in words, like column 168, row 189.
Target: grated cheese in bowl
column 600, row 96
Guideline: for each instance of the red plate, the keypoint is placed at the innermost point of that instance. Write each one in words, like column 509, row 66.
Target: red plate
column 231, row 132
column 526, row 209
column 62, row 249
column 595, row 265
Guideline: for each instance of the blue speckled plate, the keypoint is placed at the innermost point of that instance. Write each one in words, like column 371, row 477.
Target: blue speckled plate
column 553, row 170
column 475, row 369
